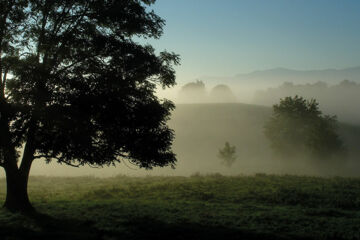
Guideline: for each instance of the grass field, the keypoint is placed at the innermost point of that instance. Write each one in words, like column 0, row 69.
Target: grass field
column 197, row 207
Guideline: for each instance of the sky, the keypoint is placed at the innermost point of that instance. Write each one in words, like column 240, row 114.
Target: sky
column 228, row 37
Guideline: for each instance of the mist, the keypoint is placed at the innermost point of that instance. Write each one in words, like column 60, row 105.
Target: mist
column 201, row 129
column 213, row 111
column 341, row 99
column 203, row 123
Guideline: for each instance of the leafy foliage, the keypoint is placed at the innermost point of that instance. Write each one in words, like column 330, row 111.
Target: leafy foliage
column 222, row 93
column 78, row 87
column 297, row 125
column 227, row 154
column 82, row 89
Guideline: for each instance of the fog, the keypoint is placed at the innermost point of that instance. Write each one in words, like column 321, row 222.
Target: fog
column 341, row 99
column 337, row 91
column 202, row 129
column 211, row 111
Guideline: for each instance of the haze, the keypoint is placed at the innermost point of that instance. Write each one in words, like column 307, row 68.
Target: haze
column 251, row 47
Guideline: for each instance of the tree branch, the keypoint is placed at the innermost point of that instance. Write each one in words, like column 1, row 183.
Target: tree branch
column 70, row 164
column 29, row 150
column 129, row 166
column 3, row 84
column 58, row 159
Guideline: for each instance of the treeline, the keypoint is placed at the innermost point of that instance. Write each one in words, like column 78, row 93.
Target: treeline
column 196, row 92
column 341, row 99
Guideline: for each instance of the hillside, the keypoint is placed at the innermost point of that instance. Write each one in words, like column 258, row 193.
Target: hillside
column 245, row 85
column 279, row 75
column 275, row 76
column 201, row 129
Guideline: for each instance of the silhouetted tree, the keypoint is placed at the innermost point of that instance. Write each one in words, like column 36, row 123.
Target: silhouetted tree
column 297, row 125
column 77, row 88
column 227, row 154
column 193, row 92
column 222, row 93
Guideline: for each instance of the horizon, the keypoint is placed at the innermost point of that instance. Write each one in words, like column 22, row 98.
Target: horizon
column 282, row 68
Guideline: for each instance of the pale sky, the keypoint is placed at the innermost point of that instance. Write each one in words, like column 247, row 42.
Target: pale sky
column 227, row 37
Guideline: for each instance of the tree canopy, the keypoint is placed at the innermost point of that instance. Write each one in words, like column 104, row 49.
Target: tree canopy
column 298, row 126
column 222, row 93
column 193, row 92
column 78, row 86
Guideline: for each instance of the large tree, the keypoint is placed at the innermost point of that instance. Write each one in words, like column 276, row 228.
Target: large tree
column 78, row 87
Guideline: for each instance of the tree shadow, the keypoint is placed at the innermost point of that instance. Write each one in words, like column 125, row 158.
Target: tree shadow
column 48, row 227
column 136, row 228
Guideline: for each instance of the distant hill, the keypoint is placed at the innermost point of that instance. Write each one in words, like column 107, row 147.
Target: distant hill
column 341, row 99
column 275, row 76
column 201, row 129
column 245, row 85
column 280, row 75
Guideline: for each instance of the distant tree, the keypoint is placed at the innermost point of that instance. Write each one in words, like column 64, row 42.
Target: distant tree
column 227, row 154
column 287, row 85
column 222, row 93
column 77, row 87
column 197, row 85
column 348, row 84
column 193, row 92
column 297, row 125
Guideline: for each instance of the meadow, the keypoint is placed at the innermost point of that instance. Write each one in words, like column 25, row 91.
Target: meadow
column 215, row 203
column 197, row 207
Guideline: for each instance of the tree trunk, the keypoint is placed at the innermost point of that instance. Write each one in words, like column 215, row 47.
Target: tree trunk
column 17, row 199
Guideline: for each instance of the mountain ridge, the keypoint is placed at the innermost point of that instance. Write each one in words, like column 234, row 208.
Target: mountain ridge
column 274, row 76
column 289, row 70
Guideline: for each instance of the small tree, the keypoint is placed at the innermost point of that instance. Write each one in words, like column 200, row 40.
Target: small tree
column 227, row 155
column 297, row 125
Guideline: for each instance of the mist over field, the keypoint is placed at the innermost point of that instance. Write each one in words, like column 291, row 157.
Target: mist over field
column 246, row 85
column 336, row 90
column 213, row 111
column 202, row 129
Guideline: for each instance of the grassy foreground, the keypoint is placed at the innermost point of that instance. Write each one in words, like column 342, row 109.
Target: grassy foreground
column 197, row 207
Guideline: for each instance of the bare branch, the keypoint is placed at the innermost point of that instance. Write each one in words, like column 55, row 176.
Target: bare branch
column 58, row 159
column 3, row 84
column 41, row 156
column 129, row 166
column 70, row 164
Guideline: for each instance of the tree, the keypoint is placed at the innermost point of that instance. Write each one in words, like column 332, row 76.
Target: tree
column 298, row 126
column 193, row 92
column 78, row 88
column 222, row 93
column 227, row 155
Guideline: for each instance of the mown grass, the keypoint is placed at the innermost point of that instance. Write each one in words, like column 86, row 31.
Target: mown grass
column 197, row 207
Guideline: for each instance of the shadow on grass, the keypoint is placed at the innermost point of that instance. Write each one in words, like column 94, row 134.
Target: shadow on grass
column 135, row 228
column 43, row 226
